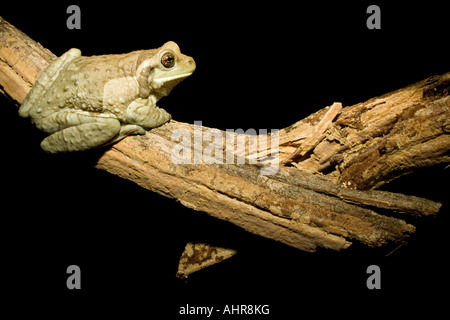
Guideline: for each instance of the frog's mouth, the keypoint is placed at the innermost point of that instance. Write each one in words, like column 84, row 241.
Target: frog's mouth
column 163, row 86
column 161, row 81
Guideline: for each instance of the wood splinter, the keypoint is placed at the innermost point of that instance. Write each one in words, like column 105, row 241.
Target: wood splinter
column 317, row 133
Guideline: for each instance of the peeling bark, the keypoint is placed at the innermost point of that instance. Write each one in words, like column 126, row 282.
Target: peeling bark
column 376, row 141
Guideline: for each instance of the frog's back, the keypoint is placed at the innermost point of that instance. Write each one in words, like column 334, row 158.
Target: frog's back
column 76, row 82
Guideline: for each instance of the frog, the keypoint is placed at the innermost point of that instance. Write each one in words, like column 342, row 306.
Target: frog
column 85, row 102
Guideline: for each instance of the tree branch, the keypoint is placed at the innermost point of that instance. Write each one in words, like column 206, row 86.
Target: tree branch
column 305, row 204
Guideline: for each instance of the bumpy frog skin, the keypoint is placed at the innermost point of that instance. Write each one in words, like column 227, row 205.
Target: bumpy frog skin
column 86, row 102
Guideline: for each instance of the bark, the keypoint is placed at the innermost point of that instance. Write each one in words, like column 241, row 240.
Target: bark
column 297, row 208
column 21, row 61
column 320, row 195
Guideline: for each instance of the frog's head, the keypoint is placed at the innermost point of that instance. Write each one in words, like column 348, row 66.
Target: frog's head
column 165, row 69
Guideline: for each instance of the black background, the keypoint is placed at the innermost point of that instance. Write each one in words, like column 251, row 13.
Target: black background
column 260, row 65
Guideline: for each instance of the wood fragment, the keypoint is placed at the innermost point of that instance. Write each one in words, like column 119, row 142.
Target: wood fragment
column 197, row 256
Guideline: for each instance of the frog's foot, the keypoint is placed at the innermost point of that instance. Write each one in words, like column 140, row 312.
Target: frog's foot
column 82, row 136
column 126, row 130
column 146, row 115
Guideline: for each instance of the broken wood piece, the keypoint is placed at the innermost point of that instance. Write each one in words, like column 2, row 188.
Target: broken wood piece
column 197, row 256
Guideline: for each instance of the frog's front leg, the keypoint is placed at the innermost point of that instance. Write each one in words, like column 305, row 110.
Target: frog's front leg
column 76, row 131
column 144, row 113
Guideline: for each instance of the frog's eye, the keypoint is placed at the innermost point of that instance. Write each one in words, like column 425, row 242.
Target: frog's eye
column 168, row 60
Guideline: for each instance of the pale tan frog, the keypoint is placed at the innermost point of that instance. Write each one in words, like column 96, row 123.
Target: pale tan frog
column 86, row 102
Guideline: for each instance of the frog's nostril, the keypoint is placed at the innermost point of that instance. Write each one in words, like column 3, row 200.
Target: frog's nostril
column 191, row 63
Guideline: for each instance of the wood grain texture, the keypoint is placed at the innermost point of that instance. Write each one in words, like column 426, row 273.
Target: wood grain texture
column 21, row 61
column 294, row 207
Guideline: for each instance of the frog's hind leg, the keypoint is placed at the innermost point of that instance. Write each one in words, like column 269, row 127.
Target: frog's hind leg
column 81, row 132
column 45, row 80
